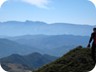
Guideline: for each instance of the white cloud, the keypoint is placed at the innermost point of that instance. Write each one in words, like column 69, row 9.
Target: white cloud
column 1, row 2
column 38, row 3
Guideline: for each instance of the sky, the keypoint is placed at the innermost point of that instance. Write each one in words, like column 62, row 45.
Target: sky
column 49, row 11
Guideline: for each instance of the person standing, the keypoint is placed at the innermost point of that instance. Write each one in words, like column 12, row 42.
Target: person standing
column 93, row 49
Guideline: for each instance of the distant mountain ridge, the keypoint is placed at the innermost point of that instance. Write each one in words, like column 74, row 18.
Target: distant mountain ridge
column 58, row 40
column 16, row 28
column 8, row 47
column 55, row 45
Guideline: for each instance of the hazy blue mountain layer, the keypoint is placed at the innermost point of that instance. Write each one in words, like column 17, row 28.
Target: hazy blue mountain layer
column 13, row 28
column 55, row 45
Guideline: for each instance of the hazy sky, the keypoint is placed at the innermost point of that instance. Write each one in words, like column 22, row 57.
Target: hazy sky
column 50, row 11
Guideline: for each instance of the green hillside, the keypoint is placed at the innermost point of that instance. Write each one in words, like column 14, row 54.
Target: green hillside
column 77, row 60
column 31, row 61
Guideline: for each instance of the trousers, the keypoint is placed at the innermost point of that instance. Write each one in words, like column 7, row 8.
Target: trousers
column 93, row 50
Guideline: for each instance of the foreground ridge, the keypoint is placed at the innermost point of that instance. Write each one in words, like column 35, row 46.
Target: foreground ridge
column 76, row 60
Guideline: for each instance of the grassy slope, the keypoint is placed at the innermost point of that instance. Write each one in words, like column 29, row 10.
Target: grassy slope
column 77, row 60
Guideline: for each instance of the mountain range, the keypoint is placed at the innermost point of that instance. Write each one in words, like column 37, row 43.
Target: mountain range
column 33, row 44
column 50, row 41
column 55, row 45
column 15, row 28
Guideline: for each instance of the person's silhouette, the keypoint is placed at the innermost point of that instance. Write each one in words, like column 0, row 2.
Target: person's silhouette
column 93, row 38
